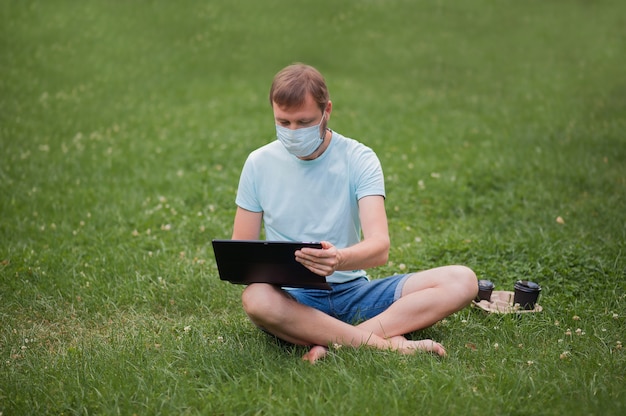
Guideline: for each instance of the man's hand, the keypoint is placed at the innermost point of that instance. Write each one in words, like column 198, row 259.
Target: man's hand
column 324, row 261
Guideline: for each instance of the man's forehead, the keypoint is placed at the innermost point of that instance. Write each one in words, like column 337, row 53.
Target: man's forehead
column 307, row 108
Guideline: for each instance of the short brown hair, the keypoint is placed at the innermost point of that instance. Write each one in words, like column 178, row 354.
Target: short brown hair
column 292, row 84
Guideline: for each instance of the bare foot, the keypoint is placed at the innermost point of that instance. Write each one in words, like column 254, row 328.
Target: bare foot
column 405, row 346
column 398, row 343
column 315, row 353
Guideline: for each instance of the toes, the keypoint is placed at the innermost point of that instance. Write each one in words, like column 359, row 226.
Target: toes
column 434, row 347
column 316, row 352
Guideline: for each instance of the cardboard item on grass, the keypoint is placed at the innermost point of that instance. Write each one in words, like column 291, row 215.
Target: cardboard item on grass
column 502, row 302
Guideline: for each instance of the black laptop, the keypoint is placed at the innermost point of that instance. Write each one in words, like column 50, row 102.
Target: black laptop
column 256, row 261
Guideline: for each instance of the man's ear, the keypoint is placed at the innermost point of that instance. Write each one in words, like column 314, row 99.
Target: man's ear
column 328, row 110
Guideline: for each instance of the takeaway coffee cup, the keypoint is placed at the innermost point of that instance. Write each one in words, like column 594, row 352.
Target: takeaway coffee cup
column 526, row 294
column 485, row 287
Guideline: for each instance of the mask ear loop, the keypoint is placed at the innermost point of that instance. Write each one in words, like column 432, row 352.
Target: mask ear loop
column 323, row 135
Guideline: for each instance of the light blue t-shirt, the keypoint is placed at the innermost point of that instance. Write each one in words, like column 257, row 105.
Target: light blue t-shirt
column 312, row 200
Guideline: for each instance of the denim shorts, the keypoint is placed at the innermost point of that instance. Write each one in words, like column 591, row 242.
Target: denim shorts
column 354, row 301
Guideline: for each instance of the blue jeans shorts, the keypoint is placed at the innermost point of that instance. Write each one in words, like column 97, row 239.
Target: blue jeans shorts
column 354, row 301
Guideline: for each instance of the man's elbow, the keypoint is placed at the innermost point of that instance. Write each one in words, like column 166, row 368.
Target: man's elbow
column 383, row 256
column 383, row 259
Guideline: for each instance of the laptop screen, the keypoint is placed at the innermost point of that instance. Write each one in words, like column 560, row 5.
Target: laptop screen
column 258, row 261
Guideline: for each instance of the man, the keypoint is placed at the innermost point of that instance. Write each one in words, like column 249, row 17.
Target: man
column 313, row 184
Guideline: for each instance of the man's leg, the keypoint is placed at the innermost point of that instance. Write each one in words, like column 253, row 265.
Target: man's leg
column 273, row 310
column 427, row 297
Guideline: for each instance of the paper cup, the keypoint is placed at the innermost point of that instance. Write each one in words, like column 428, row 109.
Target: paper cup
column 485, row 287
column 526, row 294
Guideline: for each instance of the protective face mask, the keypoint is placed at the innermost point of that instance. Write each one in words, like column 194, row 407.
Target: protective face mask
column 301, row 142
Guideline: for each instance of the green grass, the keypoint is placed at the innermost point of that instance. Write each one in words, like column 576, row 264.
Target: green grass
column 123, row 128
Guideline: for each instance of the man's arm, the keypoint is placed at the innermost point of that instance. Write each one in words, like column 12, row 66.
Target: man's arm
column 247, row 225
column 372, row 251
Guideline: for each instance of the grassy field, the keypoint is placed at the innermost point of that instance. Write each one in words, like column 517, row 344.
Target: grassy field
column 123, row 128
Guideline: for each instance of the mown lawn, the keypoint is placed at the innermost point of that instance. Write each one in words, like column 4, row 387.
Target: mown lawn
column 123, row 128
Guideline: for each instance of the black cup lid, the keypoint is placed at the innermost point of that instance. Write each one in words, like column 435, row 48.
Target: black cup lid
column 526, row 284
column 485, row 284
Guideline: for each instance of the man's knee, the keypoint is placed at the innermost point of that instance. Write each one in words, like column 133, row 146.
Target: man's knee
column 261, row 301
column 466, row 280
column 255, row 298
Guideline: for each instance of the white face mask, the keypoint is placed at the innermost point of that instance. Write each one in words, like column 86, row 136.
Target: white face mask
column 301, row 142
